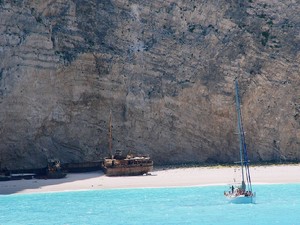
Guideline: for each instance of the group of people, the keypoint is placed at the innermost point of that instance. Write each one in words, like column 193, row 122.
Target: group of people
column 237, row 192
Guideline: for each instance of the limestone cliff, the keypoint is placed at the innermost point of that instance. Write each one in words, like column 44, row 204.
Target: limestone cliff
column 164, row 68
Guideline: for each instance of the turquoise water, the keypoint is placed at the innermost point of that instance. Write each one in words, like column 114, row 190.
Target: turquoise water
column 275, row 204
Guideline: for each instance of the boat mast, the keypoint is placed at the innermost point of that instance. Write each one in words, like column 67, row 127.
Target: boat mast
column 110, row 135
column 237, row 101
column 243, row 147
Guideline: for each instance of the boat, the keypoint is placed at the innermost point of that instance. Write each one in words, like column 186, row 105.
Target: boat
column 6, row 175
column 125, row 165
column 241, row 192
column 53, row 170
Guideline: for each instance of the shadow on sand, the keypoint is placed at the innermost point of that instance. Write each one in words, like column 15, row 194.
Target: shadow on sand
column 18, row 186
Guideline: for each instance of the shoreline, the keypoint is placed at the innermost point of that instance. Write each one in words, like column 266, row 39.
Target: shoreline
column 160, row 178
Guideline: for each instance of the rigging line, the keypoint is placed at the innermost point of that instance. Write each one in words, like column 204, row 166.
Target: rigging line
column 245, row 154
column 239, row 127
column 243, row 146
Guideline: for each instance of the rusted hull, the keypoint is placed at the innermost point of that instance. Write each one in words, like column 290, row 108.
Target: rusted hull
column 81, row 167
column 128, row 170
column 5, row 178
column 57, row 175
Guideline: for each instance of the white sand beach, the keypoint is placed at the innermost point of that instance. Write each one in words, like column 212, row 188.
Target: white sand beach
column 194, row 176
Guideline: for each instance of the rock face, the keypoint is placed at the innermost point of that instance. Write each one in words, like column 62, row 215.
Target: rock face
column 164, row 68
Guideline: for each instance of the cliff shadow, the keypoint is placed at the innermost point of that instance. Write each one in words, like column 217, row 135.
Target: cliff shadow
column 73, row 181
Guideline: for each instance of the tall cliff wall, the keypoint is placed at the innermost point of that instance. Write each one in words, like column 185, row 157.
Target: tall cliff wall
column 164, row 68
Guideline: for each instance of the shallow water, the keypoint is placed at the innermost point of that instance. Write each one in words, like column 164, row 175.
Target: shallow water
column 275, row 204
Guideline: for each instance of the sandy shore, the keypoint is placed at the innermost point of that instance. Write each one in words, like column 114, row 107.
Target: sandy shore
column 159, row 178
